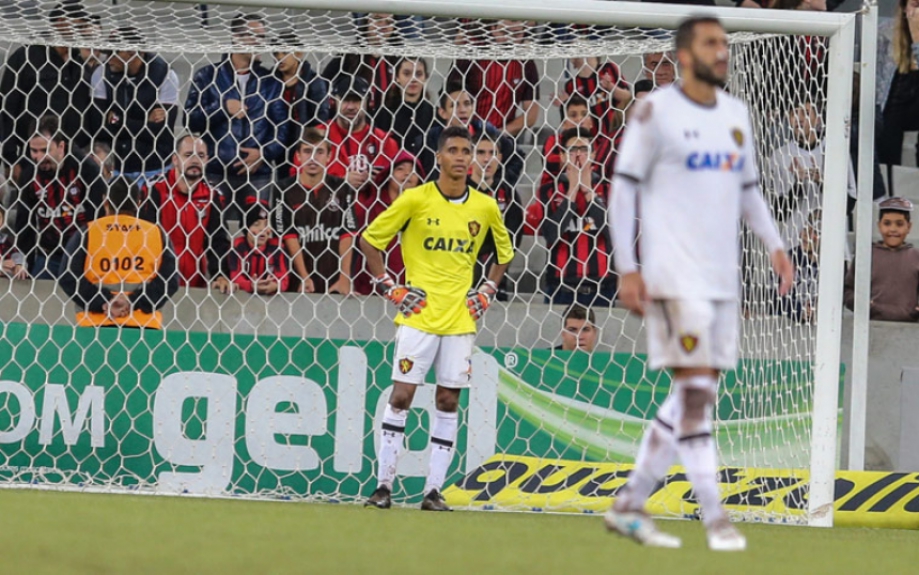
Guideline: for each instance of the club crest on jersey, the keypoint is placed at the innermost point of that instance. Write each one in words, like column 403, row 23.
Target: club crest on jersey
column 715, row 161
column 474, row 228
column 689, row 342
column 406, row 365
column 737, row 134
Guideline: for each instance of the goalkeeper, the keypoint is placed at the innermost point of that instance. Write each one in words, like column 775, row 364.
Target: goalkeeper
column 443, row 226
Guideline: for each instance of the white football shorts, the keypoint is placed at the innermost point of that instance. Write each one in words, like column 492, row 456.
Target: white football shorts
column 416, row 351
column 692, row 333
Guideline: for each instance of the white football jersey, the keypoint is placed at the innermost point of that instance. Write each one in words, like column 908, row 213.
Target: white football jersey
column 691, row 163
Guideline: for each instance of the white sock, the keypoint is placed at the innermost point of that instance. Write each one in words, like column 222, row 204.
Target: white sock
column 656, row 454
column 696, row 447
column 443, row 434
column 391, row 441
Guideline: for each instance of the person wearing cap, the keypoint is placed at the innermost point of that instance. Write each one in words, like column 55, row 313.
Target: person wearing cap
column 407, row 173
column 257, row 263
column 41, row 79
column 120, row 270
column 305, row 93
column 894, row 267
column 309, row 213
column 236, row 106
column 135, row 106
column 359, row 151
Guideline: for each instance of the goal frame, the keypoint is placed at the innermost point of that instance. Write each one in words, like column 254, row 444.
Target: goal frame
column 840, row 29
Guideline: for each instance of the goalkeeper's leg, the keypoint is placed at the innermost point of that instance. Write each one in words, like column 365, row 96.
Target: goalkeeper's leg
column 392, row 438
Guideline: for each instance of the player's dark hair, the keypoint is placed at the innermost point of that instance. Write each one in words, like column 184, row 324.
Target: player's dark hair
column 572, row 133
column 313, row 136
column 574, row 100
column 123, row 196
column 883, row 213
column 686, row 31
column 579, row 312
column 452, row 132
column 49, row 126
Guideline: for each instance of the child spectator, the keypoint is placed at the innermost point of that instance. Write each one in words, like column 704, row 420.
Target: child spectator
column 894, row 267
column 605, row 90
column 257, row 263
column 576, row 114
column 12, row 262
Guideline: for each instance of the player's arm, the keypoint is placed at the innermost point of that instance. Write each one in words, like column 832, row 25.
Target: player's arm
column 756, row 213
column 374, row 240
column 636, row 158
column 478, row 300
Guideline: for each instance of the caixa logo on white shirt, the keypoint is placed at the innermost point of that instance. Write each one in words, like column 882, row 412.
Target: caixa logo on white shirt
column 318, row 233
column 715, row 161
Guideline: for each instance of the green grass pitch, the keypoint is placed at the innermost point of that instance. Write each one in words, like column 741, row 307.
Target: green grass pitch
column 60, row 533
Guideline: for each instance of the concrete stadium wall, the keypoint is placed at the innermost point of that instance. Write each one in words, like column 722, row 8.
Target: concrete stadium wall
column 521, row 323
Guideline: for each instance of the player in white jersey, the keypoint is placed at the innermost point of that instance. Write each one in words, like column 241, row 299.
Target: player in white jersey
column 688, row 159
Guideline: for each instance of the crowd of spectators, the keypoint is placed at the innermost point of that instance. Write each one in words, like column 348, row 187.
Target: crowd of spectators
column 303, row 160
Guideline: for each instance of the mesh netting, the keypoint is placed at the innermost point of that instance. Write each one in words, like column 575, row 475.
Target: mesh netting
column 280, row 394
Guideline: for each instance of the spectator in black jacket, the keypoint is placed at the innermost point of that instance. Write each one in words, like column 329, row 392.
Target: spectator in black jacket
column 236, row 106
column 485, row 176
column 39, row 80
column 135, row 106
column 304, row 92
column 59, row 193
column 406, row 113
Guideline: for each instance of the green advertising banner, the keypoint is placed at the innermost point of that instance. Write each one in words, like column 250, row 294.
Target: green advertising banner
column 223, row 414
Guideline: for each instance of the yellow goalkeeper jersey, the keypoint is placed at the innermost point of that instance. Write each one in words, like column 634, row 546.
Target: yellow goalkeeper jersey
column 440, row 242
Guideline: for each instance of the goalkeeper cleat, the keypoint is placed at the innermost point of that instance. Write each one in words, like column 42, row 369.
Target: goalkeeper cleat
column 434, row 501
column 722, row 536
column 640, row 528
column 381, row 498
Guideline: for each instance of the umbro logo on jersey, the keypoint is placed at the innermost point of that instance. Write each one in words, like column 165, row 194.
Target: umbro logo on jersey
column 433, row 221
column 715, row 161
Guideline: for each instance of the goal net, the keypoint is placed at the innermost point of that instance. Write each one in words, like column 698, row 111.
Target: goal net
column 213, row 111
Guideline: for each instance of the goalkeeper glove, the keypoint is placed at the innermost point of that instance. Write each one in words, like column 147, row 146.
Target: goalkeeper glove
column 478, row 300
column 408, row 299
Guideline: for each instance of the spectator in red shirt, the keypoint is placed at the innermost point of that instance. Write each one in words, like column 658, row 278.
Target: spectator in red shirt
column 59, row 193
column 485, row 176
column 606, row 92
column 407, row 173
column 310, row 216
column 257, row 264
column 505, row 91
column 373, row 31
column 576, row 229
column 576, row 114
column 359, row 151
column 190, row 212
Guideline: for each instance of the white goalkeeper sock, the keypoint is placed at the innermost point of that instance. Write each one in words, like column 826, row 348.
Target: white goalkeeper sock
column 443, row 435
column 697, row 451
column 391, row 441
column 656, row 454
